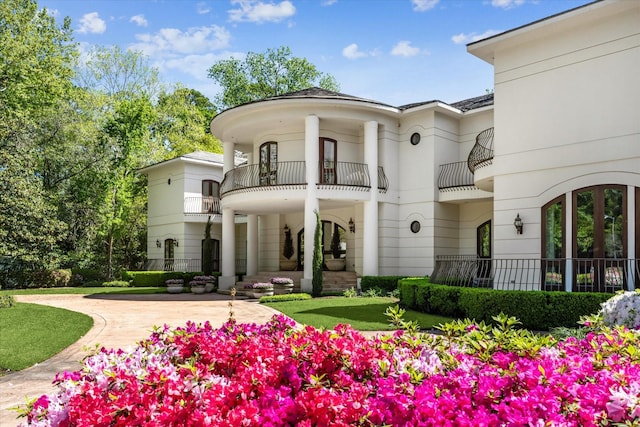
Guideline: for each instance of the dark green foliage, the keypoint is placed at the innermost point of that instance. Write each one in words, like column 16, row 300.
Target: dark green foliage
column 81, row 275
column 157, row 278
column 7, row 301
column 287, row 252
column 537, row 310
column 335, row 244
column 316, row 281
column 388, row 283
column 116, row 284
column 285, row 297
column 207, row 261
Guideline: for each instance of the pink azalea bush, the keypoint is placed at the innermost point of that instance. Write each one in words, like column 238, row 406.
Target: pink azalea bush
column 275, row 375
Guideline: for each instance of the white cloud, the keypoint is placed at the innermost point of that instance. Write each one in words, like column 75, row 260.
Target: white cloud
column 91, row 23
column 171, row 41
column 352, row 52
column 196, row 66
column 463, row 38
column 329, row 2
column 424, row 5
column 259, row 11
column 202, row 8
column 139, row 20
column 507, row 4
column 404, row 48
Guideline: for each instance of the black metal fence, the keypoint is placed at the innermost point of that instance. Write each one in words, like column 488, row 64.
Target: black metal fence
column 173, row 264
column 482, row 152
column 560, row 274
column 455, row 175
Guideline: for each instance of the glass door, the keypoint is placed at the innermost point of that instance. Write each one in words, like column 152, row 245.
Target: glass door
column 328, row 155
column 269, row 163
column 483, row 250
column 553, row 252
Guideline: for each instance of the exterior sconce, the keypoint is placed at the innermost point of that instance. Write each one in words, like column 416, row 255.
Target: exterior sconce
column 518, row 224
column 286, row 228
column 158, row 244
column 169, row 181
column 352, row 225
column 175, row 242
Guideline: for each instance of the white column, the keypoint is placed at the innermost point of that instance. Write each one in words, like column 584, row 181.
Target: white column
column 229, row 156
column 568, row 241
column 311, row 203
column 228, row 278
column 252, row 245
column 631, row 236
column 370, row 236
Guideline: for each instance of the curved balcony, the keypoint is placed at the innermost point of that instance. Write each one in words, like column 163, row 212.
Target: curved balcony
column 482, row 152
column 293, row 175
column 455, row 175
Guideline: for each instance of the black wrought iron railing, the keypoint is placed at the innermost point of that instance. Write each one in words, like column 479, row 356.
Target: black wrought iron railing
column 482, row 152
column 455, row 175
column 558, row 274
column 342, row 174
column 252, row 176
column 201, row 205
column 173, row 264
column 383, row 182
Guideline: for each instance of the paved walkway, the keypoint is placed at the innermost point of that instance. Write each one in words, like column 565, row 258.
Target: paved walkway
column 120, row 321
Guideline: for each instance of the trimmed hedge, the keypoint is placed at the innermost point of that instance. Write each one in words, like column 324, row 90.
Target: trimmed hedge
column 537, row 310
column 387, row 283
column 285, row 297
column 157, row 278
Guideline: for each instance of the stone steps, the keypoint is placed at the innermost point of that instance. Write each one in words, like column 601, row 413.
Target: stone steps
column 332, row 281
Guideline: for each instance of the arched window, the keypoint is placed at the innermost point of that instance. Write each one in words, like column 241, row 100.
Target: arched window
column 269, row 163
column 553, row 248
column 169, row 255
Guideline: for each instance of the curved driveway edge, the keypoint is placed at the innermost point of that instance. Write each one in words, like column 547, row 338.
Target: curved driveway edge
column 120, row 321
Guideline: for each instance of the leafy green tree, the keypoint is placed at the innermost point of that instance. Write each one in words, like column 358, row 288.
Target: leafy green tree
column 183, row 123
column 316, row 280
column 263, row 75
column 37, row 60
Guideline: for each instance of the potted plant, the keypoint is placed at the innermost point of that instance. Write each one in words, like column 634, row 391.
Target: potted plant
column 210, row 282
column 282, row 285
column 197, row 285
column 174, row 286
column 257, row 290
column 337, row 263
column 287, row 252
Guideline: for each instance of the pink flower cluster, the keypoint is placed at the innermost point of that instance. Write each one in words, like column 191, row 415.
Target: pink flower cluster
column 274, row 375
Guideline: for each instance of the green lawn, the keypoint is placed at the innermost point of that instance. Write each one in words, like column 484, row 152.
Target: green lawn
column 85, row 291
column 31, row 333
column 364, row 314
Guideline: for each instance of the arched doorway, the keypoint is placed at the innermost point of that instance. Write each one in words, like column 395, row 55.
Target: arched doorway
column 330, row 231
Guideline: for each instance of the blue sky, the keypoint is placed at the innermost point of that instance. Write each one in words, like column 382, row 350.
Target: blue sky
column 393, row 51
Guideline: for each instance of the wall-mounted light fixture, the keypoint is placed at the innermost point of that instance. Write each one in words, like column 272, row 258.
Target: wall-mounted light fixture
column 158, row 244
column 352, row 225
column 175, row 242
column 517, row 223
column 286, row 228
column 169, row 181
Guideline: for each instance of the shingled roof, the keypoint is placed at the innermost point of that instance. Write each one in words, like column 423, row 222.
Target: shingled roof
column 473, row 103
column 319, row 93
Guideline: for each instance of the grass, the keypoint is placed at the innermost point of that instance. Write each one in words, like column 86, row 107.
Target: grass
column 85, row 291
column 364, row 314
column 31, row 333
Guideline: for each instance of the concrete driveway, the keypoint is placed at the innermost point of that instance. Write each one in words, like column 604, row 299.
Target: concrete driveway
column 120, row 321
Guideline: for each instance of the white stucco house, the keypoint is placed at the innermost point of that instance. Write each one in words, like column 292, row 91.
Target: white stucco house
column 534, row 186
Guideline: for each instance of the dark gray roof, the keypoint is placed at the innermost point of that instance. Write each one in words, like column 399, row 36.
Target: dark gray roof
column 319, row 93
column 473, row 103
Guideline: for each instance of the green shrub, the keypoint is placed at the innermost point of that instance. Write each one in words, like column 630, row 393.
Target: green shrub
column 387, row 283
column 92, row 284
column 50, row 278
column 81, row 275
column 116, row 284
column 285, row 297
column 350, row 293
column 536, row 310
column 7, row 301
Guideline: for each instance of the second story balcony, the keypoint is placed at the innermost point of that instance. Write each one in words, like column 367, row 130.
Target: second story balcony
column 334, row 175
column 202, row 205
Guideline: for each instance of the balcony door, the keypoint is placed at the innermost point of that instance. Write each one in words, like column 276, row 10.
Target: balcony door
column 210, row 196
column 269, row 163
column 328, row 159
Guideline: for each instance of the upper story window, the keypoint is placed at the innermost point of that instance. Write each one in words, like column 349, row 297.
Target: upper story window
column 269, row 163
column 328, row 159
column 210, row 196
